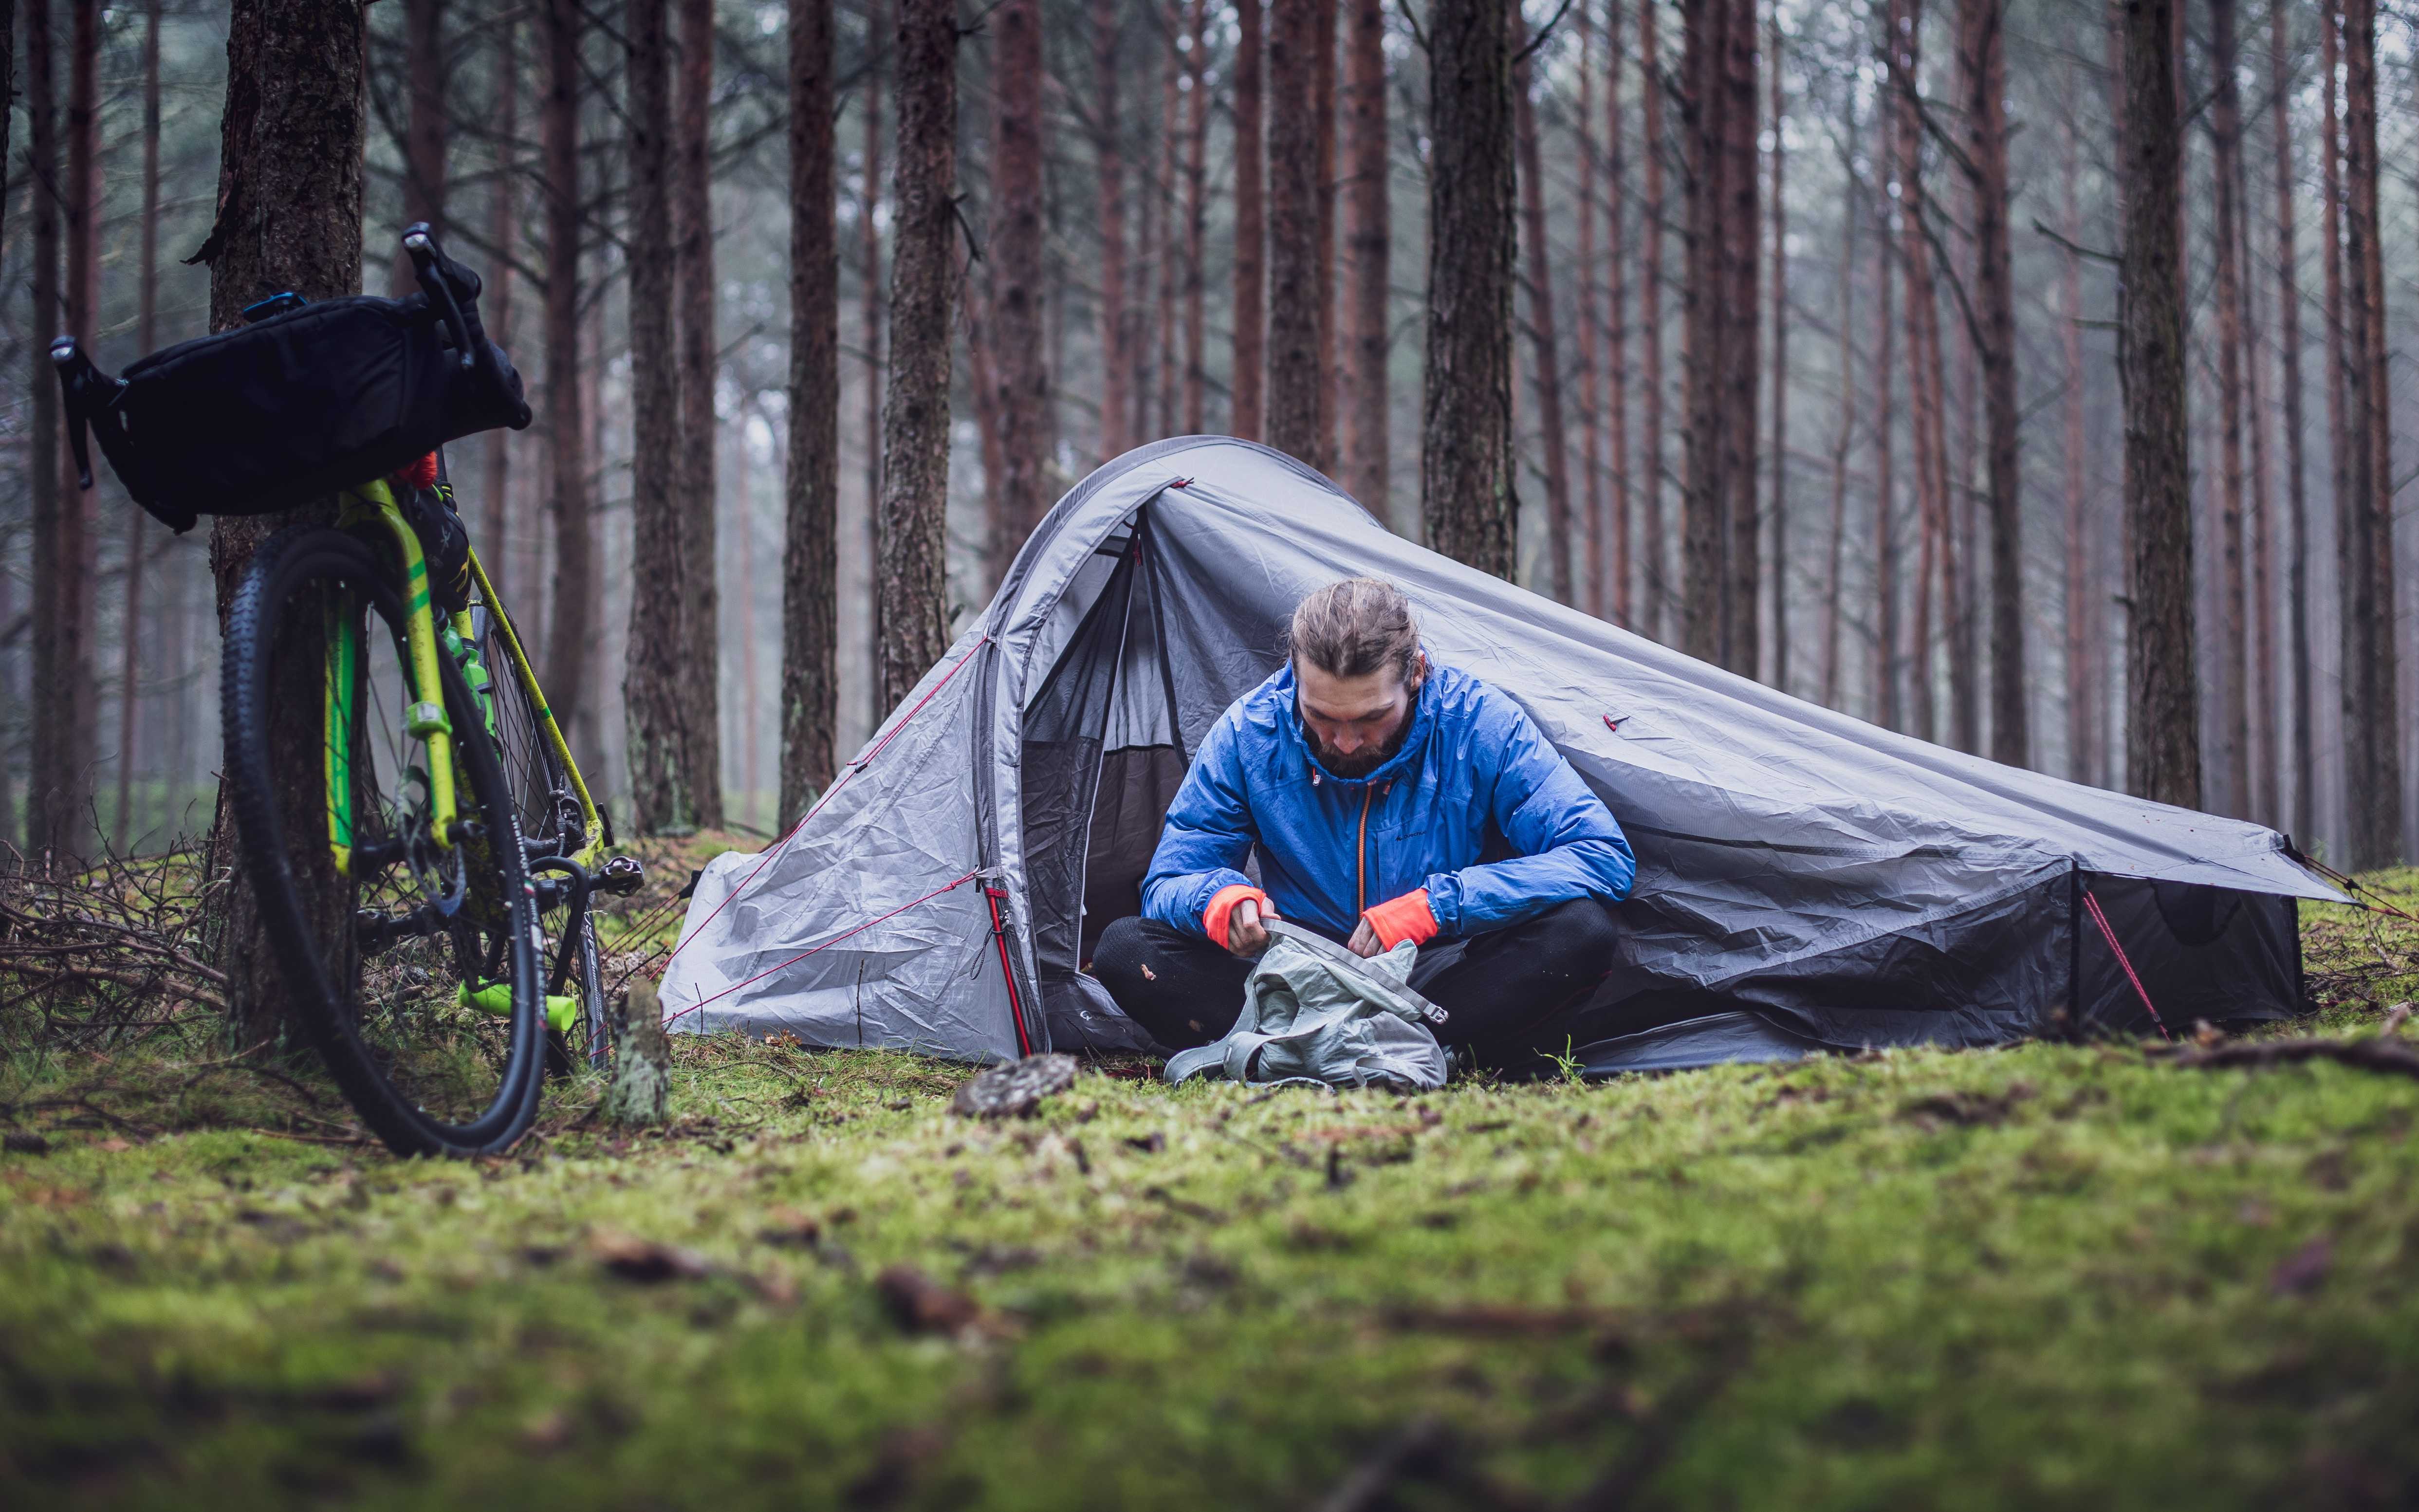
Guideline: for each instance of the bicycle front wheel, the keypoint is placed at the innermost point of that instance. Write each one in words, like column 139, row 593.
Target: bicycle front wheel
column 412, row 956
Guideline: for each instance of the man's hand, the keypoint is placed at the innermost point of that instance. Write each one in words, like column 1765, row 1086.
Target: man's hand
column 1365, row 941
column 1247, row 936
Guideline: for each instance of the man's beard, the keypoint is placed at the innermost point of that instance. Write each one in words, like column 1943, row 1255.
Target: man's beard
column 1363, row 761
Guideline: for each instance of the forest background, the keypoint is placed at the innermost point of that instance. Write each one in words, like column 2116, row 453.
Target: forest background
column 1816, row 372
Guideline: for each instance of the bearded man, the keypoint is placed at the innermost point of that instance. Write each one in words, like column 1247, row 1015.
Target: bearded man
column 1387, row 799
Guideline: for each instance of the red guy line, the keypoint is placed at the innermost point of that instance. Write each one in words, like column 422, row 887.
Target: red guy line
column 699, row 1006
column 2092, row 904
column 854, row 768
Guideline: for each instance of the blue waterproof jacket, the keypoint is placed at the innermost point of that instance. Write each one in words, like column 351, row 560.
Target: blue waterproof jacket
column 1474, row 779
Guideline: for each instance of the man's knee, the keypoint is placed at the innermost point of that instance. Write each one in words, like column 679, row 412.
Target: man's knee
column 1581, row 935
column 1118, row 960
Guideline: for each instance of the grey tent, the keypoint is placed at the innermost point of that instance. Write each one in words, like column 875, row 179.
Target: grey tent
column 1806, row 881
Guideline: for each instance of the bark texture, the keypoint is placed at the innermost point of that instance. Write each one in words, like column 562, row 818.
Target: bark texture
column 809, row 549
column 696, row 497
column 1297, row 388
column 1986, row 148
column 2231, row 716
column 1016, row 289
column 131, row 633
column 1546, row 348
column 53, row 815
column 573, row 621
column 1115, row 318
column 664, row 797
column 2163, row 723
column 1653, row 545
column 1369, row 247
column 913, row 573
column 2303, row 816
column 1251, row 358
column 2365, row 513
column 495, row 305
column 289, row 217
column 1469, row 505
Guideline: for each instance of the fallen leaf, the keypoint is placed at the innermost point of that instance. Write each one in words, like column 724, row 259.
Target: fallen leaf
column 2304, row 1271
column 788, row 1227
column 645, row 1260
column 920, row 1304
column 112, row 1145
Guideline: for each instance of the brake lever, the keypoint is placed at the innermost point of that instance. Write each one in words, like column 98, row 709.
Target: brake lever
column 441, row 293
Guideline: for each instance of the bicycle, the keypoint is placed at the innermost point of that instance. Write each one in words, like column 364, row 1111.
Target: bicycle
column 434, row 920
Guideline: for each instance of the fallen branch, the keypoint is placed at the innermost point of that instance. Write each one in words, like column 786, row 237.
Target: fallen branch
column 2392, row 1057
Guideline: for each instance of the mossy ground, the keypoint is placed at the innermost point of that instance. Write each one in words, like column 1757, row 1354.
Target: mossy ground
column 2051, row 1275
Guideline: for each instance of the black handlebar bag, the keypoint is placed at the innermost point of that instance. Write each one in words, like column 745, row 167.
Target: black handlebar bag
column 273, row 414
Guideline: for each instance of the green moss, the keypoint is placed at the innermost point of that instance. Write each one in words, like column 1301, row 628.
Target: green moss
column 2049, row 1275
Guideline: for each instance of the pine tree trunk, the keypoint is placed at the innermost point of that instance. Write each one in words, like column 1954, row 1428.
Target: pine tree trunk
column 1935, row 576
column 1369, row 244
column 2080, row 758
column 40, row 359
column 66, row 733
column 1887, row 710
column 1017, row 298
column 1593, row 525
column 1163, row 196
column 913, row 571
column 1297, row 386
column 495, row 303
column 1835, row 551
column 2303, row 816
column 1654, row 548
column 146, row 337
column 1468, row 506
column 289, row 217
column 1780, row 507
column 696, row 497
column 2233, row 787
column 1704, row 494
column 2338, row 355
column 1620, row 596
column 1544, row 348
column 1322, row 109
column 811, row 488
column 1251, row 358
column 868, row 247
column 1741, row 252
column 664, row 797
column 1108, row 159
column 2371, row 724
column 48, row 793
column 1196, row 225
column 1985, row 24
column 2163, row 718
column 574, row 621
column 424, row 131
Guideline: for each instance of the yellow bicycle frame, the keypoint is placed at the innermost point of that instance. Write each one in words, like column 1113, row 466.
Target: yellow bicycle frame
column 372, row 505
column 592, row 832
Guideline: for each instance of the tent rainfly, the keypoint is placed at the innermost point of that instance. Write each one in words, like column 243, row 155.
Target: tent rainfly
column 1804, row 881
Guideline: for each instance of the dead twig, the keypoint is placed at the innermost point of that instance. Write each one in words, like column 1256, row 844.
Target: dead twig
column 2393, row 1057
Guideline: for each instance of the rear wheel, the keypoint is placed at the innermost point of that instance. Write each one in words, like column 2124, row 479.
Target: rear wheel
column 413, row 958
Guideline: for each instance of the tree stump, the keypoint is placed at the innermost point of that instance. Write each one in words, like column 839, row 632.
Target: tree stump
column 642, row 1075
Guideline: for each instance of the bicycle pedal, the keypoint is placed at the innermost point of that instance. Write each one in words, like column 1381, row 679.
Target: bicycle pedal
column 623, row 875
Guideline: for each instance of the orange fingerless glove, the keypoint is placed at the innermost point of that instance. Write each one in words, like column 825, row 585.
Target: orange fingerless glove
column 1221, row 903
column 1407, row 917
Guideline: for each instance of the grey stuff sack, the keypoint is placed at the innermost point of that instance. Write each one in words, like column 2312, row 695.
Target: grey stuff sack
column 1315, row 1011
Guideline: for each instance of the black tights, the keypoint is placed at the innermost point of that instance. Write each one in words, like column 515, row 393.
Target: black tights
column 1497, row 989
